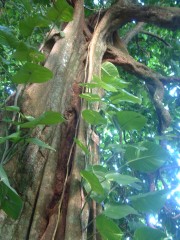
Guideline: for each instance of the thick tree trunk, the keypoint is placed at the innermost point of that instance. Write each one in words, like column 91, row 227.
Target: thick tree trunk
column 43, row 173
column 50, row 182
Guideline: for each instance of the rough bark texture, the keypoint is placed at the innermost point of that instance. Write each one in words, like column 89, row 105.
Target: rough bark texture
column 50, row 182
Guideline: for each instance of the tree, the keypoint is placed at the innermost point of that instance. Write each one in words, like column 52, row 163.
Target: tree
column 63, row 190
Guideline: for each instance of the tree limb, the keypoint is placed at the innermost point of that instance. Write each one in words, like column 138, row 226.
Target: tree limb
column 166, row 17
column 156, row 36
column 176, row 217
column 133, row 32
column 166, row 80
column 151, row 78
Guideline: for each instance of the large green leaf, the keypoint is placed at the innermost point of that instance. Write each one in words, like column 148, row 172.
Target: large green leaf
column 27, row 53
column 150, row 202
column 121, row 179
column 148, row 233
column 90, row 97
column 7, row 37
column 32, row 73
column 10, row 202
column 60, row 11
column 118, row 211
column 39, row 143
column 45, row 119
column 64, row 9
column 14, row 137
column 110, row 75
column 28, row 24
column 82, row 146
column 108, row 229
column 100, row 172
column 108, row 71
column 12, row 108
column 100, row 84
column 122, row 96
column 129, row 120
column 27, row 5
column 93, row 181
column 3, row 176
column 92, row 117
column 149, row 159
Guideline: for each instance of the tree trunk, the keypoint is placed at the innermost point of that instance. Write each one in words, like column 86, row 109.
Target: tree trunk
column 49, row 182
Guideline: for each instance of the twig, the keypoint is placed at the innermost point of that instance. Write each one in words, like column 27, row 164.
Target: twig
column 133, row 32
column 176, row 217
column 156, row 36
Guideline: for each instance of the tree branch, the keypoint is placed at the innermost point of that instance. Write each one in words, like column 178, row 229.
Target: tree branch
column 133, row 32
column 166, row 80
column 151, row 78
column 166, row 17
column 156, row 36
column 176, row 217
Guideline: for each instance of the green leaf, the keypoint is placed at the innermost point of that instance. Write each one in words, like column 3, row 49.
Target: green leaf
column 92, row 117
column 101, row 84
column 82, row 146
column 10, row 202
column 129, row 120
column 14, row 137
column 7, row 37
column 39, row 143
column 110, row 75
column 134, row 224
column 150, row 202
column 124, row 96
column 90, row 97
column 28, row 24
column 118, row 211
column 116, row 148
column 121, row 179
column 53, row 15
column 46, row 118
column 3, row 176
column 28, row 53
column 12, row 108
column 97, row 197
column 108, row 71
column 108, row 229
column 148, row 234
column 27, row 5
column 65, row 10
column 32, row 73
column 93, row 181
column 99, row 170
column 60, row 11
column 148, row 160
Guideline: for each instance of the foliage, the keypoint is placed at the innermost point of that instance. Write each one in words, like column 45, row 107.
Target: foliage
column 130, row 159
